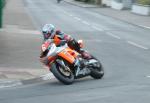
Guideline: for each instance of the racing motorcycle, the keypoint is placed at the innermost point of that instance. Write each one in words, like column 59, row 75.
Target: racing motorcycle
column 62, row 62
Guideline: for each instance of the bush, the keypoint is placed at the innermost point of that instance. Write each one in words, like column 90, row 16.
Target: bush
column 85, row 1
column 144, row 2
column 88, row 1
column 119, row 1
column 2, row 3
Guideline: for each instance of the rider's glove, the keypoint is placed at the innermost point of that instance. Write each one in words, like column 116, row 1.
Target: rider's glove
column 44, row 60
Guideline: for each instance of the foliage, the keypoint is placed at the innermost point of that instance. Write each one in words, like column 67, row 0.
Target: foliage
column 87, row 1
column 143, row 2
column 83, row 0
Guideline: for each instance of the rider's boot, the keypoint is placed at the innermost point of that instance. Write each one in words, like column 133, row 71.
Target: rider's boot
column 85, row 54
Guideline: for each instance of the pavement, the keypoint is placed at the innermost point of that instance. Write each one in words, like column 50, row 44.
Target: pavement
column 123, row 15
column 16, row 22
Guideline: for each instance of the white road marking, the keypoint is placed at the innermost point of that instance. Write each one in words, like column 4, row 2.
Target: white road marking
column 113, row 35
column 97, row 28
column 77, row 18
column 65, row 12
column 148, row 76
column 5, row 82
column 85, row 22
column 10, row 84
column 137, row 45
column 47, row 76
column 70, row 15
column 144, row 26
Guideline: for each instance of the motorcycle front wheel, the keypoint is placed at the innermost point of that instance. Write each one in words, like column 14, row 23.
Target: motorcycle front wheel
column 64, row 75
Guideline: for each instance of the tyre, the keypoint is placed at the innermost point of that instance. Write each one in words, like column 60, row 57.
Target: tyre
column 98, row 71
column 64, row 76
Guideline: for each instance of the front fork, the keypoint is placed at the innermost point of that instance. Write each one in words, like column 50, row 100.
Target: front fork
column 81, row 71
column 62, row 64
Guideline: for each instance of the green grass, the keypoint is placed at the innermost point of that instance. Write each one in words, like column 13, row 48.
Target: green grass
column 144, row 2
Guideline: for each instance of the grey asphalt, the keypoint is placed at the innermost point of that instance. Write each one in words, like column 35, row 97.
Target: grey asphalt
column 122, row 48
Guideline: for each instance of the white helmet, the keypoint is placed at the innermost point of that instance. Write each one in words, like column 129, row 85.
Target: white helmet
column 48, row 31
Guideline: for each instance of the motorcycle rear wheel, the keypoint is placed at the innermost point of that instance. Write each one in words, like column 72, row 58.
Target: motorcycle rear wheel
column 97, row 72
column 60, row 74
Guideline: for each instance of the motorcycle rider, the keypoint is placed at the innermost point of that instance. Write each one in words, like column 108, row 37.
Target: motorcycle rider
column 49, row 33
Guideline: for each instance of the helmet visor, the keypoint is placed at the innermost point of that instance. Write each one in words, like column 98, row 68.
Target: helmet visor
column 46, row 35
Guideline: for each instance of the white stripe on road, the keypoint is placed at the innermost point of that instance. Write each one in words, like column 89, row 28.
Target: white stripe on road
column 137, row 45
column 97, row 28
column 77, row 18
column 148, row 76
column 10, row 84
column 147, row 27
column 65, row 12
column 113, row 35
column 47, row 76
column 85, row 22
column 70, row 15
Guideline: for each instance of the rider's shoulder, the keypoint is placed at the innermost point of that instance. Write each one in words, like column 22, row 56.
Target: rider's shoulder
column 48, row 40
column 59, row 32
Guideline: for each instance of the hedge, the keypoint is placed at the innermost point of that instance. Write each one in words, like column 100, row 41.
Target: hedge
column 144, row 2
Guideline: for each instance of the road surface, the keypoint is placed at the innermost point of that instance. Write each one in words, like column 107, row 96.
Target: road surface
column 122, row 48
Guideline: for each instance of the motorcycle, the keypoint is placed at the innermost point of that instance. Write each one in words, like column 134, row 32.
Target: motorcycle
column 62, row 61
